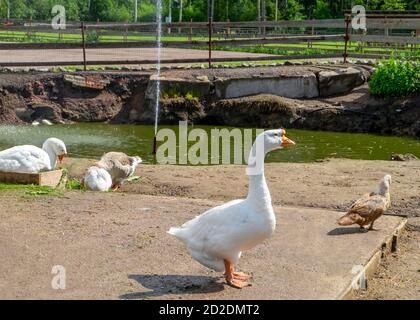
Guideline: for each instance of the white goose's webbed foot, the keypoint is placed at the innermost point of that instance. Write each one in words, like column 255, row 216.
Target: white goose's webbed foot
column 235, row 279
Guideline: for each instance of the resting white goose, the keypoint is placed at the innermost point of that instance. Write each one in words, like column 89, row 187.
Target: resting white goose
column 119, row 165
column 217, row 237
column 97, row 179
column 31, row 159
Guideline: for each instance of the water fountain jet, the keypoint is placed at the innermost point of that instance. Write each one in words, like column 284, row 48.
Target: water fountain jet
column 159, row 47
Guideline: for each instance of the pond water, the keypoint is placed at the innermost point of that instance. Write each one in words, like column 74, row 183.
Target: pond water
column 93, row 139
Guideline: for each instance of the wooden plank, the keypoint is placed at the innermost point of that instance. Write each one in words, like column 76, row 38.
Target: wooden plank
column 48, row 178
column 385, row 39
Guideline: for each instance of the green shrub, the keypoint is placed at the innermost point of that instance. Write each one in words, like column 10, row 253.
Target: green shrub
column 395, row 78
column 191, row 96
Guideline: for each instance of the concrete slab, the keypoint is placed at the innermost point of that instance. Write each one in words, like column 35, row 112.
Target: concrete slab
column 115, row 246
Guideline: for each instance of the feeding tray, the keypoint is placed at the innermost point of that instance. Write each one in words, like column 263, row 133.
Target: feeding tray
column 47, row 178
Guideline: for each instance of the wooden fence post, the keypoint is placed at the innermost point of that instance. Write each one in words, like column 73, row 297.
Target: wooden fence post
column 346, row 37
column 84, row 46
column 210, row 24
column 190, row 34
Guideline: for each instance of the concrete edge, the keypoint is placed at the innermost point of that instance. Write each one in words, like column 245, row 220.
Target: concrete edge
column 388, row 245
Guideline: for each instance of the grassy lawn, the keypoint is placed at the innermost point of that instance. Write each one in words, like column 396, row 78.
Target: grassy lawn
column 317, row 48
column 43, row 37
column 323, row 47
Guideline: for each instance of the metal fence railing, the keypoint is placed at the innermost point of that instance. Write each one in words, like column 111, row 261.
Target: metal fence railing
column 103, row 43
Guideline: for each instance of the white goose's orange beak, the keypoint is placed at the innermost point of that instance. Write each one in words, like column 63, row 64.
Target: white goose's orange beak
column 60, row 158
column 285, row 141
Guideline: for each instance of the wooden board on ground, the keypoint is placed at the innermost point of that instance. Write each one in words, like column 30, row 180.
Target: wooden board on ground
column 48, row 178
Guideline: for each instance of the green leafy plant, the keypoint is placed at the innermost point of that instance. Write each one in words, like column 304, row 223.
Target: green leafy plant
column 395, row 78
column 171, row 93
column 190, row 96
column 73, row 184
column 92, row 36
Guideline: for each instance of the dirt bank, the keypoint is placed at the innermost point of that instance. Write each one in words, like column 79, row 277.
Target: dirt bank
column 25, row 98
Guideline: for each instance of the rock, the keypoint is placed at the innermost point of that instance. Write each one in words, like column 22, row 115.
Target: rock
column 46, row 122
column 24, row 114
column 288, row 63
column 304, row 85
column 339, row 81
column 404, row 157
column 46, row 112
column 203, row 78
column 38, row 88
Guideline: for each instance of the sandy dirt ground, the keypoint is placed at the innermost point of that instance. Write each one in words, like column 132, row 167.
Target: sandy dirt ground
column 148, row 54
column 112, row 233
column 330, row 184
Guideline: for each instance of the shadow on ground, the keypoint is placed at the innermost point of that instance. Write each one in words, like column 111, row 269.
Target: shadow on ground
column 343, row 231
column 160, row 285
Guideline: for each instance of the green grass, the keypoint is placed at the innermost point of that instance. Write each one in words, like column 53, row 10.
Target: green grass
column 302, row 49
column 44, row 37
column 73, row 184
column 30, row 190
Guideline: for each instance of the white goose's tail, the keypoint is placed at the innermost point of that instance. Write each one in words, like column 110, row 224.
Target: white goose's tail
column 175, row 231
column 196, row 251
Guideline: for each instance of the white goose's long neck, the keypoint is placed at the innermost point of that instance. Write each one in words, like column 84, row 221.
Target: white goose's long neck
column 51, row 155
column 258, row 193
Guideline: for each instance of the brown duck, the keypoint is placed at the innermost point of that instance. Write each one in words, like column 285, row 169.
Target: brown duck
column 119, row 165
column 369, row 207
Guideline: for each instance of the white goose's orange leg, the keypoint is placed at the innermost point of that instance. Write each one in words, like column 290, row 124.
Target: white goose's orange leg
column 235, row 279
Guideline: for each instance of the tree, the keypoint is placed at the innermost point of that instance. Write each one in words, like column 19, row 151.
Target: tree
column 393, row 5
column 322, row 10
column 102, row 10
column 293, row 10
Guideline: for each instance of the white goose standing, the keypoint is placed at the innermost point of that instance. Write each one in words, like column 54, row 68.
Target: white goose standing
column 217, row 237
column 31, row 159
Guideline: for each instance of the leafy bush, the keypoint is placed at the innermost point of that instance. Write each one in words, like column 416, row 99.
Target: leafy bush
column 92, row 36
column 395, row 78
column 191, row 96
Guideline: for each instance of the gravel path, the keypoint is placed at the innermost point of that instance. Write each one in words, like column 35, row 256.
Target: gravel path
column 50, row 55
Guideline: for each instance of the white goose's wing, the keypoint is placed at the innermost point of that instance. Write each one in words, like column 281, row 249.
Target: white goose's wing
column 97, row 179
column 29, row 159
